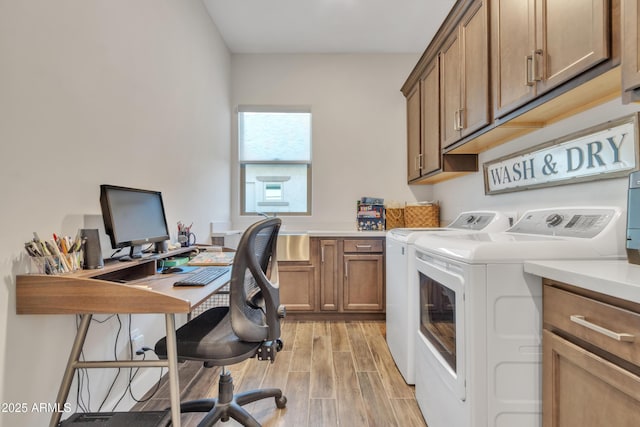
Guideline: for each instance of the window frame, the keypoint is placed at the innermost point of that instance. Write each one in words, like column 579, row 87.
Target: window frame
column 244, row 163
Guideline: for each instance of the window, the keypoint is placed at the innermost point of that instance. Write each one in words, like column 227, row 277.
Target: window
column 275, row 160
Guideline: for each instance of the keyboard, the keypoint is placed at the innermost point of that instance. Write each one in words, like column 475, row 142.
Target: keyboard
column 203, row 277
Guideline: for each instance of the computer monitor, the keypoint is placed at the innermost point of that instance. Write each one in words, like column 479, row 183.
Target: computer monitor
column 133, row 217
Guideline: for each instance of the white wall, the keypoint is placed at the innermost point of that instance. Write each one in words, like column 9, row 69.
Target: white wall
column 358, row 127
column 132, row 93
column 467, row 193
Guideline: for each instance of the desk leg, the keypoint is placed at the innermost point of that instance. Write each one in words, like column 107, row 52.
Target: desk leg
column 172, row 358
column 67, row 378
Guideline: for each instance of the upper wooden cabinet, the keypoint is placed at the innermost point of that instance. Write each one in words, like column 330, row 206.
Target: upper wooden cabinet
column 537, row 45
column 423, row 124
column 431, row 155
column 630, row 48
column 414, row 152
column 464, row 76
column 548, row 60
column 425, row 160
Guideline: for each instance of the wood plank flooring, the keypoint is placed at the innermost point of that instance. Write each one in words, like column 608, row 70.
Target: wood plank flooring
column 333, row 373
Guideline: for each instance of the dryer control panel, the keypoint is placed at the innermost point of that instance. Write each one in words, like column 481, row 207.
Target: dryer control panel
column 569, row 222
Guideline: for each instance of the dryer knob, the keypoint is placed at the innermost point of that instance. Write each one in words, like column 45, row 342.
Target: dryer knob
column 554, row 220
column 470, row 219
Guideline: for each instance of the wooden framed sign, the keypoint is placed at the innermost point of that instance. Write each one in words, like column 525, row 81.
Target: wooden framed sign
column 609, row 150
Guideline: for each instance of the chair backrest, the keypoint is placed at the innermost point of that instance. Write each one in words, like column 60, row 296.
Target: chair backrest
column 254, row 294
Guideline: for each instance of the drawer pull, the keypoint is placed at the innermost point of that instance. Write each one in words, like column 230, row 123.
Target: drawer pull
column 364, row 246
column 580, row 320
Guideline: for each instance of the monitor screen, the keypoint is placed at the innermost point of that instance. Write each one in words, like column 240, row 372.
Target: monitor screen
column 133, row 217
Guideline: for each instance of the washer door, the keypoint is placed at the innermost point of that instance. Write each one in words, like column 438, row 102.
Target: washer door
column 442, row 319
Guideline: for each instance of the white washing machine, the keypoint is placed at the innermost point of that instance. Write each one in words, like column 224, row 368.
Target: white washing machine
column 401, row 312
column 478, row 347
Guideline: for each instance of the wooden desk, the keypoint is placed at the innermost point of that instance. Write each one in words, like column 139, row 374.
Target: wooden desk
column 90, row 292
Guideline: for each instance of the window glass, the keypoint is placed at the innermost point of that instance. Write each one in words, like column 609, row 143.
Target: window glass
column 275, row 136
column 275, row 160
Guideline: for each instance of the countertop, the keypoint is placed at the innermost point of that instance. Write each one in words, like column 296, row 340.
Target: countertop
column 617, row 278
column 315, row 233
column 343, row 233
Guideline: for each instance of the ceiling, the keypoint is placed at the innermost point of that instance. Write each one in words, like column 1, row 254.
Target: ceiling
column 328, row 26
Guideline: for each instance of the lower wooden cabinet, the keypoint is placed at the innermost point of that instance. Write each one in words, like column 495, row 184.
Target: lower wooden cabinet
column 583, row 389
column 591, row 359
column 297, row 286
column 343, row 279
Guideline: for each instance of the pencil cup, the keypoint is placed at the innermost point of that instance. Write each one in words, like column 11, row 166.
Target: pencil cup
column 186, row 239
column 54, row 264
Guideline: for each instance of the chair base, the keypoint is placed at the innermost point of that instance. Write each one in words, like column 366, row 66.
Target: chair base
column 229, row 406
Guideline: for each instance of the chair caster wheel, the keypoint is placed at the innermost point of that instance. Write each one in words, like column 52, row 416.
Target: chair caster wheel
column 279, row 345
column 281, row 402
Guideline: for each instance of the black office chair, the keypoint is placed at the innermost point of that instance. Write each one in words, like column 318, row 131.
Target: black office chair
column 248, row 327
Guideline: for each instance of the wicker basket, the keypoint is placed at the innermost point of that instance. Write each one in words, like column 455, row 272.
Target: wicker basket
column 418, row 216
column 394, row 218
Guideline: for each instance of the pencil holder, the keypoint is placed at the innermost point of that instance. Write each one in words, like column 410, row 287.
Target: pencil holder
column 54, row 264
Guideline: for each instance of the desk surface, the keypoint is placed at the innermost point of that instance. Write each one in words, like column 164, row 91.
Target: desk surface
column 83, row 292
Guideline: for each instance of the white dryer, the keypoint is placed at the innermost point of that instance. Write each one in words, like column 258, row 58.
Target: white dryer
column 478, row 345
column 401, row 294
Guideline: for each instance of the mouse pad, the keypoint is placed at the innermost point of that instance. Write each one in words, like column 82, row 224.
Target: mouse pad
column 185, row 269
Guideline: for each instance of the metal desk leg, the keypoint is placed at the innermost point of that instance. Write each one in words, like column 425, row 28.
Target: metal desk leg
column 172, row 358
column 67, row 378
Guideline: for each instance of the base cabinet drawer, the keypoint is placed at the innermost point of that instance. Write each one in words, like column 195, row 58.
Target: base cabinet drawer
column 606, row 326
column 363, row 245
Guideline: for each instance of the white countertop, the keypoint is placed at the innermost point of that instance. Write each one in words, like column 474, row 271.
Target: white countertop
column 315, row 233
column 617, row 278
column 345, row 233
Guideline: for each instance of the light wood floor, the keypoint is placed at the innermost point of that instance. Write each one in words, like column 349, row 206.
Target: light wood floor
column 332, row 373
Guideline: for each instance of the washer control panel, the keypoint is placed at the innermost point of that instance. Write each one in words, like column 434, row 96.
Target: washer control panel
column 570, row 222
column 472, row 221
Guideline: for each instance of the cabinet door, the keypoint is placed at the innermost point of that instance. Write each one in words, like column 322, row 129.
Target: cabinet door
column 430, row 88
column 450, row 90
column 363, row 283
column 413, row 134
column 474, row 110
column 512, row 42
column 571, row 37
column 583, row 389
column 297, row 290
column 329, row 275
column 631, row 45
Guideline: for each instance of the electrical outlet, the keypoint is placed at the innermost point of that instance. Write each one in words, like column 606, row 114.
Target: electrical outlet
column 137, row 340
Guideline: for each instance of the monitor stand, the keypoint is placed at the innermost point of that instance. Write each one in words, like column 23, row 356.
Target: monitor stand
column 134, row 253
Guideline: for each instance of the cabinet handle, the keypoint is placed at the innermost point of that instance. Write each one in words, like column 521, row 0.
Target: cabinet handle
column 420, row 161
column 363, row 246
column 534, row 67
column 580, row 320
column 455, row 120
column 416, row 163
column 528, row 72
column 322, row 254
column 346, row 270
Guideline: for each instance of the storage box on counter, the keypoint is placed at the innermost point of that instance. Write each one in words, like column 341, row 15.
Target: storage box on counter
column 372, row 200
column 394, row 217
column 370, row 217
column 422, row 215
